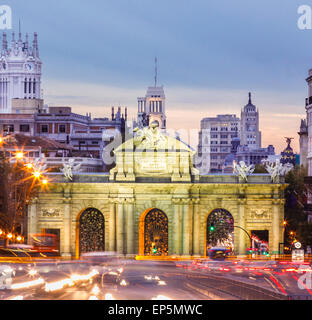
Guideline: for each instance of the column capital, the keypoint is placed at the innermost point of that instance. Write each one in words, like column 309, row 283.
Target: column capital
column 186, row 201
column 278, row 201
column 129, row 200
column 119, row 200
column 195, row 200
column 176, row 200
column 66, row 199
column 241, row 201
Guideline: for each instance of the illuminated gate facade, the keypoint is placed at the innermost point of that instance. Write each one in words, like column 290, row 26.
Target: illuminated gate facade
column 91, row 231
column 156, row 233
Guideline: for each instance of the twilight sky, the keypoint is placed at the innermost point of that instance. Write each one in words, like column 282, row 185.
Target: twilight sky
column 101, row 53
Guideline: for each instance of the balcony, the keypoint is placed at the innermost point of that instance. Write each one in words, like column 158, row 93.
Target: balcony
column 308, row 101
column 308, row 180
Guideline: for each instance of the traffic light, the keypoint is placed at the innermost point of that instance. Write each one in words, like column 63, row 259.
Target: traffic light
column 212, row 227
column 154, row 249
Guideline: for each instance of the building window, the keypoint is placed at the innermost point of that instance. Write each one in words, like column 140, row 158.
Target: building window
column 8, row 127
column 95, row 142
column 44, row 128
column 62, row 128
column 24, row 128
column 224, row 136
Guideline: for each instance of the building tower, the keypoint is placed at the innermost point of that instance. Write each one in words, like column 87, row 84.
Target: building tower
column 250, row 134
column 20, row 71
column 152, row 106
column 303, row 142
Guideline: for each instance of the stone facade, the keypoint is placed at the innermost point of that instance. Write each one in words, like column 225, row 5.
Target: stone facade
column 124, row 202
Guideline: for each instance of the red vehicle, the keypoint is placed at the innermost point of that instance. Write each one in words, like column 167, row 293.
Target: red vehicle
column 40, row 244
column 44, row 244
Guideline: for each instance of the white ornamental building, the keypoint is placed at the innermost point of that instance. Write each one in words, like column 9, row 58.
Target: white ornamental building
column 20, row 71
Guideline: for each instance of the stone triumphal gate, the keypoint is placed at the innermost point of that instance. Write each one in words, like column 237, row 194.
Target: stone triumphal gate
column 154, row 202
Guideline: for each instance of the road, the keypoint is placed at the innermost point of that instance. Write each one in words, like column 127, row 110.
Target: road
column 123, row 279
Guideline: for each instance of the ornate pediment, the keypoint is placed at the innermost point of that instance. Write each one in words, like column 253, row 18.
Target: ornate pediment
column 151, row 153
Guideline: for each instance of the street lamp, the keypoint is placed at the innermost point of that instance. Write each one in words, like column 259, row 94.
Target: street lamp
column 19, row 155
column 37, row 174
column 29, row 165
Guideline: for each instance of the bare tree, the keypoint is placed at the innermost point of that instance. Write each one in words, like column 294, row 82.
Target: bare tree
column 17, row 188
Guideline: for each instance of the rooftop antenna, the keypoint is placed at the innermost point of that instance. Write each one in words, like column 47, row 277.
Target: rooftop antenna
column 155, row 72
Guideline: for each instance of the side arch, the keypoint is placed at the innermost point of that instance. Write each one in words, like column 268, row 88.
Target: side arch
column 219, row 229
column 90, row 231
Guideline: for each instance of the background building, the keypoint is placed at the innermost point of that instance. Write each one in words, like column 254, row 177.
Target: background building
column 84, row 136
column 215, row 137
column 152, row 107
column 20, row 72
column 226, row 138
column 308, row 179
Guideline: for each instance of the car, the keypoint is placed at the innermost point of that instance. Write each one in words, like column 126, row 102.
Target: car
column 219, row 253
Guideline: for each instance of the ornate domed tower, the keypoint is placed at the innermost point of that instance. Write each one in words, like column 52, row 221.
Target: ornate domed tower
column 288, row 156
column 20, row 71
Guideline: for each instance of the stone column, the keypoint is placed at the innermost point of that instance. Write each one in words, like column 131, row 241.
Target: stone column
column 32, row 218
column 120, row 227
column 66, row 247
column 241, row 223
column 112, row 226
column 176, row 226
column 196, row 228
column 130, row 227
column 187, row 227
column 275, row 225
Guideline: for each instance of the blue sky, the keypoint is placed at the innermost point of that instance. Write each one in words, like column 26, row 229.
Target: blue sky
column 101, row 53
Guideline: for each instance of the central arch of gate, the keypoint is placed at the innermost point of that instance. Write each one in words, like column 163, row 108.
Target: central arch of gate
column 153, row 233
